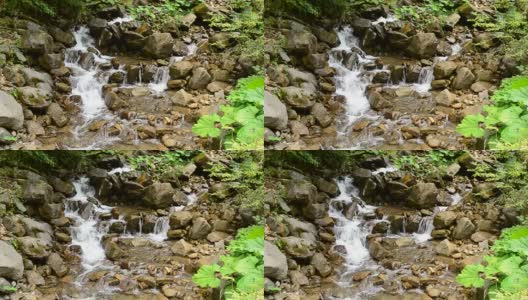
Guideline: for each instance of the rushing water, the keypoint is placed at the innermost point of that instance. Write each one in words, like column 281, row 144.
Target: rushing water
column 89, row 75
column 88, row 231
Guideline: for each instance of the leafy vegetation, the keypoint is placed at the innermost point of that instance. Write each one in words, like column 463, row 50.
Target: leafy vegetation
column 427, row 163
column 506, row 270
column 166, row 164
column 42, row 8
column 505, row 124
column 246, row 25
column 242, row 271
column 44, row 161
column 244, row 174
column 428, row 13
column 241, row 123
column 310, row 9
column 162, row 13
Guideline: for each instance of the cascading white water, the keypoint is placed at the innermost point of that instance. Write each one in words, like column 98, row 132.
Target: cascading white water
column 426, row 227
column 162, row 76
column 349, row 81
column 351, row 233
column 85, row 82
column 86, row 229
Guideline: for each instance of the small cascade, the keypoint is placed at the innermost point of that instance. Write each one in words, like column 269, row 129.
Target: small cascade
column 351, row 233
column 86, row 231
column 426, row 227
column 348, row 60
column 159, row 83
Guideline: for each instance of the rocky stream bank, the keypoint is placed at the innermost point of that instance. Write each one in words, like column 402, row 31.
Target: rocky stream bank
column 373, row 81
column 109, row 81
column 111, row 232
column 376, row 232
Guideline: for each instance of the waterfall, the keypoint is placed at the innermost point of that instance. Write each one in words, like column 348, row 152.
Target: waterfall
column 348, row 60
column 159, row 83
column 86, row 231
column 351, row 234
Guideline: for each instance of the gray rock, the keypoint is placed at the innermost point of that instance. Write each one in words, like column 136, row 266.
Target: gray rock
column 97, row 25
column 463, row 229
column 321, row 264
column 180, row 219
column 57, row 114
column 181, row 98
column 444, row 69
column 275, row 114
column 159, row 45
column 11, row 265
column 37, row 192
column 34, row 98
column 61, row 36
column 423, row 45
column 300, row 42
column 159, row 195
column 33, row 77
column 180, row 69
column 51, row 61
column 298, row 97
column 300, row 191
column 321, row 114
column 423, row 195
column 11, row 114
column 57, row 265
column 32, row 247
column 444, row 219
column 199, row 79
column 298, row 248
column 199, row 229
column 463, row 79
column 182, row 248
column 445, row 248
column 36, row 41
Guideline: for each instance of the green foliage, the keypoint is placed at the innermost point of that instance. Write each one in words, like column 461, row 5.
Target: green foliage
column 244, row 174
column 507, row 269
column 43, row 8
column 310, row 8
column 44, row 161
column 241, row 123
column 8, row 288
column 242, row 270
column 166, row 164
column 159, row 14
column 506, row 120
column 427, row 13
column 425, row 164
column 245, row 24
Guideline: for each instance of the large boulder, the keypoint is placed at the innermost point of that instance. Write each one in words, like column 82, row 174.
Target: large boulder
column 300, row 191
column 275, row 263
column 199, row 229
column 275, row 114
column 159, row 195
column 61, row 36
column 444, row 219
column 199, row 79
column 36, row 41
column 301, row 42
column 299, row 248
column 423, row 195
column 32, row 247
column 444, row 69
column 57, row 265
column 321, row 264
column 11, row 115
column 37, row 191
column 299, row 98
column 463, row 229
column 180, row 69
column 11, row 265
column 180, row 219
column 159, row 45
column 463, row 79
column 423, row 45
column 35, row 98
column 33, row 77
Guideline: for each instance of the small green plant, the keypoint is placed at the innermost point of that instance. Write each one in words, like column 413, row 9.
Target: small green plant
column 506, row 120
column 242, row 271
column 9, row 138
column 8, row 288
column 159, row 14
column 166, row 164
column 506, row 270
column 425, row 14
column 241, row 124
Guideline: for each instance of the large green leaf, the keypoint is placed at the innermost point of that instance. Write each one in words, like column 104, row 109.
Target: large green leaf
column 515, row 282
column 251, row 282
column 206, row 126
column 470, row 126
column 520, row 246
column 470, row 276
column 510, row 115
column 206, row 276
column 515, row 132
column 250, row 133
column 246, row 115
column 228, row 118
column 246, row 265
